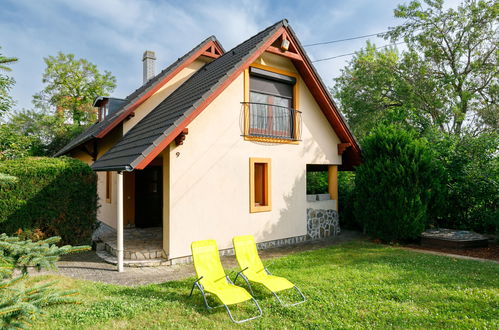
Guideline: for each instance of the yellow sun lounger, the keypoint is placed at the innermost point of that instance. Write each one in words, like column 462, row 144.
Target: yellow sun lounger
column 212, row 279
column 254, row 271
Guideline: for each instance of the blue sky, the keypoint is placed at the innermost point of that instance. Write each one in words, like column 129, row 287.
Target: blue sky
column 113, row 34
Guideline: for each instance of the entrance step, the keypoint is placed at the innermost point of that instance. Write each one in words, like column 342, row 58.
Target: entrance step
column 111, row 259
column 143, row 247
column 135, row 251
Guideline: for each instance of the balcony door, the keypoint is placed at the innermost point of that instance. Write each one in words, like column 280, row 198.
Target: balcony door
column 271, row 111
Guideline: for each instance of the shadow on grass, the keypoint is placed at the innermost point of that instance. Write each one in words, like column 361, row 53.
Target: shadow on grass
column 349, row 285
column 363, row 254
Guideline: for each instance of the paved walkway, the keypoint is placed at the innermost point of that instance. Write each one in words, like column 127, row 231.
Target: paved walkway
column 445, row 254
column 89, row 266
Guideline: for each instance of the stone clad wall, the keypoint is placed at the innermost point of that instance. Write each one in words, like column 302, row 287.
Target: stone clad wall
column 260, row 246
column 322, row 223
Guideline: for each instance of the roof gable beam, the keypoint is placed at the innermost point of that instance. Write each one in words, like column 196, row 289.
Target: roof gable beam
column 212, row 52
column 285, row 46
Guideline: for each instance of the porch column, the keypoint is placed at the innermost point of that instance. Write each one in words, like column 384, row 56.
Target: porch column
column 119, row 222
column 166, row 202
column 333, row 183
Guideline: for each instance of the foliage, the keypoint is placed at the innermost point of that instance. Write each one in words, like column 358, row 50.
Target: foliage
column 7, row 179
column 71, row 85
column 444, row 87
column 35, row 133
column 317, row 182
column 472, row 167
column 369, row 90
column 6, row 83
column 57, row 196
column 446, row 79
column 346, row 201
column 458, row 49
column 20, row 305
column 396, row 184
column 356, row 285
column 14, row 144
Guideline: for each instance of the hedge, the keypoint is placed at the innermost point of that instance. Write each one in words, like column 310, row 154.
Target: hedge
column 57, row 196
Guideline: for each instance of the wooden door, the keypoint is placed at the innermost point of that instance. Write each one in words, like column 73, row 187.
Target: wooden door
column 149, row 197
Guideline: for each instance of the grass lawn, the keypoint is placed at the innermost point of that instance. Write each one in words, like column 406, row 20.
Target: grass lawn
column 352, row 285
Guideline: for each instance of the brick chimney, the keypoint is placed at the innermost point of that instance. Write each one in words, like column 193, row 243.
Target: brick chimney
column 148, row 64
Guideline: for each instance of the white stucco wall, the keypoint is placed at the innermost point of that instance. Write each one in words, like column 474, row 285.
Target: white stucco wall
column 209, row 173
column 107, row 211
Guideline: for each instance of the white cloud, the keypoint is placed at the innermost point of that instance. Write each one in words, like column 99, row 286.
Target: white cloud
column 114, row 33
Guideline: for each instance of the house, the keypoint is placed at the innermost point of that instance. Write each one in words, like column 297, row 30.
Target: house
column 218, row 144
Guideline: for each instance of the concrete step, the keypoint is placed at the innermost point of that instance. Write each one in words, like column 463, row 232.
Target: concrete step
column 111, row 259
column 135, row 252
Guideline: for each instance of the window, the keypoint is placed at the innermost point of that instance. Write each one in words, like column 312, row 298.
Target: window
column 271, row 105
column 260, row 187
column 109, row 183
column 103, row 109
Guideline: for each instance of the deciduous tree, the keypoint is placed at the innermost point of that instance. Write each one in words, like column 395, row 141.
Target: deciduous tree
column 6, row 83
column 446, row 79
column 71, row 85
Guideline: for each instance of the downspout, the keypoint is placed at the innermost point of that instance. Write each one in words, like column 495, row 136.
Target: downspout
column 119, row 224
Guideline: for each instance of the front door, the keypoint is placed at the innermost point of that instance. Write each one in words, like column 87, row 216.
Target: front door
column 149, row 197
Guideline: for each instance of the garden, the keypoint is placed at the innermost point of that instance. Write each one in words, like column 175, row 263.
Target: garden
column 351, row 285
column 426, row 118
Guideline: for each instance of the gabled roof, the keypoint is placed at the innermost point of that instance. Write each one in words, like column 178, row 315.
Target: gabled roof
column 151, row 131
column 208, row 47
column 138, row 147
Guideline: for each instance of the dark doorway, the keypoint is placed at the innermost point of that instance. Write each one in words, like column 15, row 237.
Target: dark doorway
column 149, row 197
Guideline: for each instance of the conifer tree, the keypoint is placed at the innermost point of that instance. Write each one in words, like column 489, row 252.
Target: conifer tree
column 21, row 302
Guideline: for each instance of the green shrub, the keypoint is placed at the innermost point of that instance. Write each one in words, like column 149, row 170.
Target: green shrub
column 317, row 182
column 395, row 184
column 56, row 196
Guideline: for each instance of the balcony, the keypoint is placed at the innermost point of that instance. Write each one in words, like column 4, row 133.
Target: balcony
column 271, row 122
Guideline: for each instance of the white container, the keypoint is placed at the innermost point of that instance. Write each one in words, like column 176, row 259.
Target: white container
column 311, row 198
column 323, row 197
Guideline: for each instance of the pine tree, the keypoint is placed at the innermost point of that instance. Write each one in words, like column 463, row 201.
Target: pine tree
column 21, row 302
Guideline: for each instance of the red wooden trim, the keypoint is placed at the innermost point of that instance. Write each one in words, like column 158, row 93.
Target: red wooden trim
column 176, row 131
column 179, row 140
column 158, row 85
column 342, row 147
column 288, row 54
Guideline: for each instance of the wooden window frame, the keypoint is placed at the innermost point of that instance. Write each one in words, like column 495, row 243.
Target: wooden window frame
column 267, row 186
column 296, row 127
column 109, row 187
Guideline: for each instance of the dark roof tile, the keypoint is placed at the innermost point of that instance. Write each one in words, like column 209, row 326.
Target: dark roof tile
column 96, row 128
